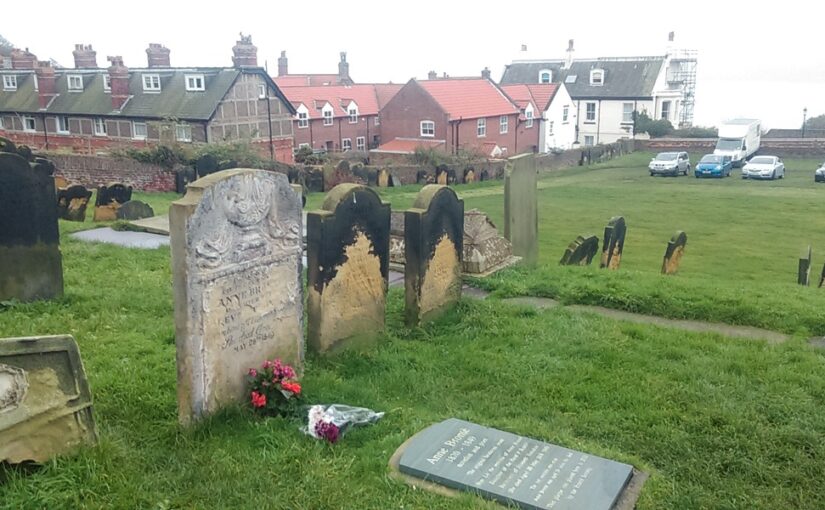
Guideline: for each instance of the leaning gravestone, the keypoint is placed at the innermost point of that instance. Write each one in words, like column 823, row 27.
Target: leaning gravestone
column 347, row 267
column 72, row 202
column 485, row 251
column 521, row 220
column 512, row 469
column 45, row 402
column 674, row 252
column 581, row 251
column 109, row 199
column 30, row 262
column 134, row 210
column 236, row 263
column 804, row 272
column 613, row 243
column 433, row 246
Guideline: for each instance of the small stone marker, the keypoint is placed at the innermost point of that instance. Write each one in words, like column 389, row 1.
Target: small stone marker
column 72, row 202
column 614, row 234
column 30, row 261
column 45, row 402
column 804, row 275
column 433, row 246
column 581, row 251
column 135, row 210
column 485, row 251
column 521, row 220
column 397, row 239
column 236, row 264
column 469, row 175
column 384, row 178
column 347, row 266
column 109, row 199
column 512, row 469
column 674, row 252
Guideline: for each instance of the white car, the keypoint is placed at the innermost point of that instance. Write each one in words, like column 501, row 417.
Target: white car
column 819, row 174
column 764, row 167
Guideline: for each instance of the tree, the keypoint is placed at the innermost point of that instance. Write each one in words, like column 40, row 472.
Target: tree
column 655, row 128
column 817, row 122
column 5, row 42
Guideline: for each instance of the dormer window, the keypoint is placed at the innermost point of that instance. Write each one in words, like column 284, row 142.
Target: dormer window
column 195, row 83
column 75, row 82
column 528, row 114
column 327, row 113
column 107, row 83
column 9, row 82
column 151, row 82
column 545, row 76
column 597, row 77
column 352, row 110
column 303, row 117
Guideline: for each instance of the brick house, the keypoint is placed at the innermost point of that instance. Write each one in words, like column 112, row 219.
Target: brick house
column 284, row 79
column 89, row 109
column 463, row 113
column 550, row 105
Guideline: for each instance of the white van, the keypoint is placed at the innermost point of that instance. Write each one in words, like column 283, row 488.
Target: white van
column 739, row 139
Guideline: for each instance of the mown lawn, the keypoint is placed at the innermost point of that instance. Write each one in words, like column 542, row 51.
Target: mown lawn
column 718, row 423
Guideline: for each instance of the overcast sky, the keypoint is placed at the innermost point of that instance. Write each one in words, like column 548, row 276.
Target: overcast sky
column 757, row 60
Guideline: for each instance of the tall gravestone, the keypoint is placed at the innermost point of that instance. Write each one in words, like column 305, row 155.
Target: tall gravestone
column 433, row 249
column 521, row 220
column 72, row 202
column 30, row 261
column 674, row 252
column 45, row 402
column 236, row 262
column 613, row 243
column 348, row 255
column 581, row 251
column 804, row 271
column 109, row 199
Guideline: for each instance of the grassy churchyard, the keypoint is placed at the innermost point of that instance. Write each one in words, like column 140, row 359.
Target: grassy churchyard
column 719, row 423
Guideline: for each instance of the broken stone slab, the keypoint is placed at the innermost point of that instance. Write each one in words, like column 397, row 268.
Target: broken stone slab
column 154, row 225
column 674, row 252
column 485, row 251
column 804, row 271
column 521, row 220
column 134, row 210
column 614, row 235
column 45, row 401
column 72, row 202
column 581, row 251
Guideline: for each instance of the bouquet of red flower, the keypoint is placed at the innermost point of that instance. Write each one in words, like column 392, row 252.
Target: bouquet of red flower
column 273, row 390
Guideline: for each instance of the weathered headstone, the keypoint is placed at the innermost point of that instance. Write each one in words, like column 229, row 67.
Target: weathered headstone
column 433, row 249
column 183, row 176
column 30, row 261
column 109, row 199
column 485, row 251
column 45, row 402
column 397, row 239
column 72, row 202
column 804, row 272
column 60, row 182
column 135, row 210
column 236, row 264
column 521, row 219
column 347, row 267
column 340, row 174
column 385, row 179
column 613, row 243
column 512, row 469
column 314, row 179
column 581, row 251
column 206, row 165
column 674, row 252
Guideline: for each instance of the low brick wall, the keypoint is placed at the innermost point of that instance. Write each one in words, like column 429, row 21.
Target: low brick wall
column 782, row 147
column 92, row 171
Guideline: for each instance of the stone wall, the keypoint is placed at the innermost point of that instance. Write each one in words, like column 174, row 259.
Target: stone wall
column 782, row 147
column 92, row 171
column 585, row 155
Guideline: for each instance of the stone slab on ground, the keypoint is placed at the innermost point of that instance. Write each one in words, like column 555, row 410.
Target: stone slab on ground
column 153, row 225
column 127, row 239
column 537, row 302
column 474, row 292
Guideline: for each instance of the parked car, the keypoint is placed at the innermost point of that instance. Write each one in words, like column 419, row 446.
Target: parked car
column 764, row 167
column 713, row 165
column 819, row 174
column 670, row 163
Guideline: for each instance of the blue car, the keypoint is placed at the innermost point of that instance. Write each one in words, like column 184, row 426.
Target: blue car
column 712, row 165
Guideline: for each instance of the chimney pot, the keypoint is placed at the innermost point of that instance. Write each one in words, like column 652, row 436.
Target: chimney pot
column 158, row 55
column 485, row 73
column 343, row 70
column 432, row 75
column 244, row 53
column 23, row 59
column 283, row 64
column 84, row 56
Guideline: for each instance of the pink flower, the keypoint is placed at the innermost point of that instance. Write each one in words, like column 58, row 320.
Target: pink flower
column 328, row 431
column 258, row 399
column 253, row 372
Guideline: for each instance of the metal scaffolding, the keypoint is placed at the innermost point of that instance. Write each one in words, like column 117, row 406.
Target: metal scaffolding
column 682, row 73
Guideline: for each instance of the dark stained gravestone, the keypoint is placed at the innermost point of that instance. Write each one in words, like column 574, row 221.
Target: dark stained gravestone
column 109, row 199
column 30, row 262
column 512, row 469
column 804, row 273
column 521, row 220
column 613, row 243
column 135, row 210
column 347, row 267
column 314, row 179
column 183, row 176
column 205, row 165
column 45, row 402
column 581, row 251
column 72, row 202
column 674, row 252
column 433, row 246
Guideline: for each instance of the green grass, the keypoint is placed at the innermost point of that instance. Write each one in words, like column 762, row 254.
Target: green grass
column 719, row 423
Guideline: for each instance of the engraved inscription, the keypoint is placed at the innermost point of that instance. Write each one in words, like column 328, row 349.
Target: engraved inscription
column 13, row 386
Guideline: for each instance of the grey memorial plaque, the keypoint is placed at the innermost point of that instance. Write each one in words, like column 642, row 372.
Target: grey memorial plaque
column 513, row 469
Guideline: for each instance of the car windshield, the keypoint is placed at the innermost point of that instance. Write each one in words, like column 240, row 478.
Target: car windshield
column 710, row 158
column 729, row 144
column 666, row 156
column 762, row 161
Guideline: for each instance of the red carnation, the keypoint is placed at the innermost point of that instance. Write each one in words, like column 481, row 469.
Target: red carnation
column 258, row 399
column 291, row 386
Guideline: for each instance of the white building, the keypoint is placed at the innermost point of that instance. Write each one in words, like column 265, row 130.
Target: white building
column 557, row 129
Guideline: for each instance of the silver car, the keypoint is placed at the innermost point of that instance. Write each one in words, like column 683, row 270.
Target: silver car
column 670, row 163
column 764, row 167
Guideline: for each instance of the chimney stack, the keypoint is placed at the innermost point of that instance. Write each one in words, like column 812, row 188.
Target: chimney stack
column 46, row 89
column 244, row 53
column 283, row 64
column 84, row 56
column 119, row 81
column 343, row 70
column 432, row 75
column 158, row 55
column 570, row 50
column 671, row 36
column 485, row 73
column 444, row 75
column 23, row 59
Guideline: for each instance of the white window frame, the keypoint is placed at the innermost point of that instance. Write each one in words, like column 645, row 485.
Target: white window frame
column 481, row 128
column 549, row 74
column 2, row 125
column 74, row 82
column 550, row 128
column 361, row 143
column 528, row 113
column 565, row 113
column 107, row 83
column 353, row 114
column 261, row 91
column 99, row 126
column 192, row 84
column 328, row 118
column 36, row 83
column 183, row 132
column 9, row 82
column 377, row 121
column 587, row 112
column 302, row 145
column 627, row 116
column 57, row 125
column 427, row 129
column 594, row 73
column 26, row 128
column 662, row 115
column 151, row 82
column 503, row 125
column 346, row 144
column 135, row 134
column 592, row 140
column 303, row 120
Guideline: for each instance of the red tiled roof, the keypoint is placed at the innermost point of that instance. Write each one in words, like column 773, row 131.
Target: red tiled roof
column 540, row 93
column 306, row 80
column 469, row 98
column 408, row 145
column 339, row 96
column 386, row 91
